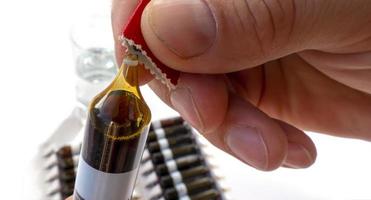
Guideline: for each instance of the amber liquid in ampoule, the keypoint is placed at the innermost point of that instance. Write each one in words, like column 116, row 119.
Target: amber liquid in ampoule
column 115, row 135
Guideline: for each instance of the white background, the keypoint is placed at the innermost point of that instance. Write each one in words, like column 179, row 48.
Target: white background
column 37, row 93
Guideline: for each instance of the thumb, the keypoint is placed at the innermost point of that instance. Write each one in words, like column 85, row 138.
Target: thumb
column 226, row 36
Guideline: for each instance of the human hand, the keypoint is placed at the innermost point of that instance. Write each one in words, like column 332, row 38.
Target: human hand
column 254, row 70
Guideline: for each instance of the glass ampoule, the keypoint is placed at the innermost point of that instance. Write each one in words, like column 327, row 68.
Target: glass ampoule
column 116, row 131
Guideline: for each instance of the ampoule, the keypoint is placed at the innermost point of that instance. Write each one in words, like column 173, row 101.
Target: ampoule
column 164, row 143
column 116, row 131
column 190, row 188
column 178, row 164
column 167, row 122
column 176, row 152
column 180, row 176
column 160, row 133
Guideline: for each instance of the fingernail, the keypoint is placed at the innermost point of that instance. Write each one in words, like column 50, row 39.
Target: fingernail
column 248, row 145
column 182, row 100
column 298, row 156
column 187, row 28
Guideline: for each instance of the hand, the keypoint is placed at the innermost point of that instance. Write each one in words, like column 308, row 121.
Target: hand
column 257, row 72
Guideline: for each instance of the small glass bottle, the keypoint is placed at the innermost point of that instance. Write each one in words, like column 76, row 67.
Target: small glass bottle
column 116, row 130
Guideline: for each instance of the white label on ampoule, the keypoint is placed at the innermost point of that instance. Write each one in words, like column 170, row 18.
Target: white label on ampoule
column 92, row 184
column 185, row 198
column 181, row 189
column 171, row 165
column 177, row 177
column 164, row 144
column 156, row 124
column 167, row 154
column 160, row 133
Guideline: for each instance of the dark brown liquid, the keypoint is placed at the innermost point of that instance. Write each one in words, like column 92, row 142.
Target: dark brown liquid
column 115, row 133
column 194, row 187
column 182, row 164
column 177, row 152
column 66, row 163
column 207, row 195
column 155, row 146
column 170, row 122
column 196, row 172
column 171, row 131
column 64, row 152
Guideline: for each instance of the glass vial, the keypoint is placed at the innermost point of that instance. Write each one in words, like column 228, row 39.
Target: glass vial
column 116, row 131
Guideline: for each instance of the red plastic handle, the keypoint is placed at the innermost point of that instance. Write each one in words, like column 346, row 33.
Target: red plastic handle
column 133, row 32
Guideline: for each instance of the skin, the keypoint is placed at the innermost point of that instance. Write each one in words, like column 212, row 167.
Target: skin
column 263, row 68
column 272, row 67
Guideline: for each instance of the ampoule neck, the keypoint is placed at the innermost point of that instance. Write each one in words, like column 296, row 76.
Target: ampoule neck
column 130, row 74
column 127, row 78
